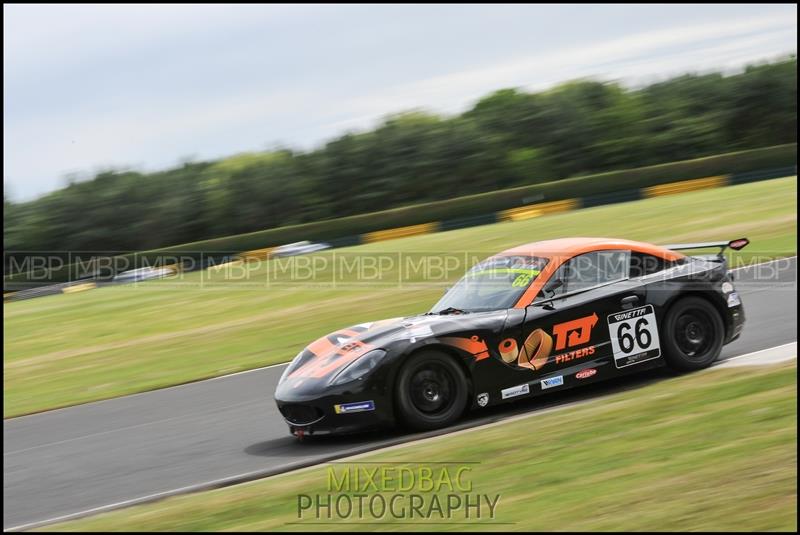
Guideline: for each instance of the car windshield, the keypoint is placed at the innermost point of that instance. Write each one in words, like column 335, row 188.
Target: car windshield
column 493, row 284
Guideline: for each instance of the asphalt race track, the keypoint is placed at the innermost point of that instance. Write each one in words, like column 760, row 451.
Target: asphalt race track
column 117, row 452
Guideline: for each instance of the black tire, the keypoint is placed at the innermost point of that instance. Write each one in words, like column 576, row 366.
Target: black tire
column 692, row 334
column 432, row 391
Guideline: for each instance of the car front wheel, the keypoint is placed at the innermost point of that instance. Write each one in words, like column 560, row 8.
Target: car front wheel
column 431, row 391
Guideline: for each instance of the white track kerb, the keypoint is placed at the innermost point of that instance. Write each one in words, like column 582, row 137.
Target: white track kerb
column 773, row 355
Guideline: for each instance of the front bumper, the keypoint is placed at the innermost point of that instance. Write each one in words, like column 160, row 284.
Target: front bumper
column 313, row 415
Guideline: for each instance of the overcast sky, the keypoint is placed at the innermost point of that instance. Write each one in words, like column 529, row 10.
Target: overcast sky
column 91, row 87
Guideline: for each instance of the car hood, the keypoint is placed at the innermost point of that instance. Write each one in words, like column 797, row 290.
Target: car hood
column 328, row 355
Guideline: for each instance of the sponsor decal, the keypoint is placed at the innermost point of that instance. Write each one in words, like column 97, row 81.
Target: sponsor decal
column 585, row 374
column 356, row 346
column 358, row 406
column 515, row 391
column 483, row 399
column 536, row 350
column 574, row 333
column 508, row 350
column 474, row 344
column 576, row 354
column 634, row 336
column 552, row 382
column 733, row 300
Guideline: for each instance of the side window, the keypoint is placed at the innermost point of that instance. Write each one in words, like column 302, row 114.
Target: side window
column 598, row 267
column 587, row 270
column 552, row 288
column 644, row 264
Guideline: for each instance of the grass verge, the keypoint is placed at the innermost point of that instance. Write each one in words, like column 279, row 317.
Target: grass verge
column 67, row 349
column 715, row 450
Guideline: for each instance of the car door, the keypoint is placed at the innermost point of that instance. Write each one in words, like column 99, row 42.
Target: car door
column 571, row 318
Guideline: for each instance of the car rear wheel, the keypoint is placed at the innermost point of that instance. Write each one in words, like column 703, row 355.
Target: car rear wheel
column 431, row 391
column 693, row 334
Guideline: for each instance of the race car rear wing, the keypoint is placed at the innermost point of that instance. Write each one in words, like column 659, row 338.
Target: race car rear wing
column 736, row 245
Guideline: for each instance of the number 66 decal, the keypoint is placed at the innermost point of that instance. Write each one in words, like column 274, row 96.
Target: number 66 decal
column 626, row 340
column 634, row 336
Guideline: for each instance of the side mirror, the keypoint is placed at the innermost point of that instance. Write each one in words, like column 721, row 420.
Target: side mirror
column 551, row 287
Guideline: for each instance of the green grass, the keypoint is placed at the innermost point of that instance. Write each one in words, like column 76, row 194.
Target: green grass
column 714, row 450
column 68, row 349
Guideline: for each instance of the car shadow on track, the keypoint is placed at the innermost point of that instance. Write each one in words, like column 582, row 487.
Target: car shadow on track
column 332, row 446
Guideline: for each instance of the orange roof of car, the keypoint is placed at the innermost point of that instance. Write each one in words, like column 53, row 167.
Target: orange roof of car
column 569, row 247
column 562, row 249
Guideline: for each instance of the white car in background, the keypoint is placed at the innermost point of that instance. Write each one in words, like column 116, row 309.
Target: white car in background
column 298, row 248
column 141, row 274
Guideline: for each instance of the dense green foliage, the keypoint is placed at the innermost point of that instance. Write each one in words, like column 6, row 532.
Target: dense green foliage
column 485, row 203
column 510, row 138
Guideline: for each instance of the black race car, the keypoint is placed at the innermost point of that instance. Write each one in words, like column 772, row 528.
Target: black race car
column 537, row 318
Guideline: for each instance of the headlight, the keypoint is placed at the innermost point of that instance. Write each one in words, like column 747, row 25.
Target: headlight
column 359, row 367
column 727, row 287
column 298, row 361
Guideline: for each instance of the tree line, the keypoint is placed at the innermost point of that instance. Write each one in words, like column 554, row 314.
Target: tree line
column 508, row 138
